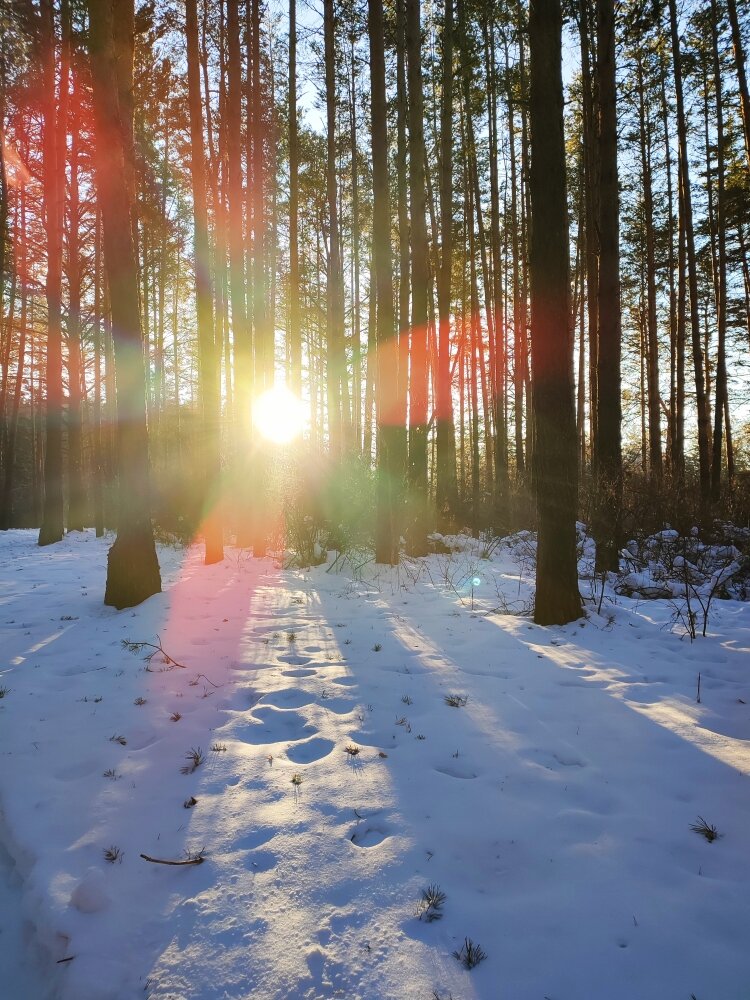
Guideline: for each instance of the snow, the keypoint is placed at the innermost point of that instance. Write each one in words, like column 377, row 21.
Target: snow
column 553, row 808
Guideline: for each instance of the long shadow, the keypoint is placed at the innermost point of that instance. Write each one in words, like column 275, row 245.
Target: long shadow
column 561, row 812
column 201, row 619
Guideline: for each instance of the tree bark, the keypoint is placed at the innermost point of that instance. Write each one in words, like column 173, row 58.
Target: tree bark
column 720, row 394
column 210, row 452
column 652, row 343
column 295, row 331
column 388, row 469
column 132, row 565
column 740, row 61
column 445, row 472
column 54, row 120
column 336, row 369
column 553, row 405
column 686, row 216
column 418, row 383
column 608, row 442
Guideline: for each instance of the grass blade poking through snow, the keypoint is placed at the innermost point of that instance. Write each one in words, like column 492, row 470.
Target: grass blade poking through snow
column 430, row 905
column 470, row 954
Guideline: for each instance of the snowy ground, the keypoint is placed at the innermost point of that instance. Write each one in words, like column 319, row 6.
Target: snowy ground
column 553, row 808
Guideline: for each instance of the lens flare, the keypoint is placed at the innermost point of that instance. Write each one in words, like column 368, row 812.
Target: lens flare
column 279, row 415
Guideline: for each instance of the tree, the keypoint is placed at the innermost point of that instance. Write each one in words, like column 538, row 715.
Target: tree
column 54, row 173
column 295, row 332
column 418, row 383
column 608, row 444
column 686, row 224
column 445, row 472
column 211, row 451
column 388, row 471
column 132, row 565
column 553, row 404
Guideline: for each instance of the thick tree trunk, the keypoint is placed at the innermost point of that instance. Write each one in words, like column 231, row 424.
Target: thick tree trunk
column 553, row 405
column 132, row 566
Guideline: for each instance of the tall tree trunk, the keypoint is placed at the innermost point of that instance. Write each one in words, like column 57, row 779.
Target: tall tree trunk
column 608, row 443
column 676, row 342
column 686, row 216
column 720, row 395
column 400, row 443
column 356, row 303
column 243, row 356
column 553, row 405
column 100, row 440
column 418, row 383
column 474, row 335
column 210, row 451
column 336, row 371
column 497, row 352
column 295, row 329
column 740, row 61
column 132, row 565
column 258, row 310
column 389, row 470
column 591, row 187
column 76, row 491
column 11, row 434
column 54, row 132
column 445, row 472
column 652, row 343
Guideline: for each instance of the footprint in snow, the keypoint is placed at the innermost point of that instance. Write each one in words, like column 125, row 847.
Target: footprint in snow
column 275, row 725
column 310, row 751
column 369, row 836
column 457, row 770
column 288, row 698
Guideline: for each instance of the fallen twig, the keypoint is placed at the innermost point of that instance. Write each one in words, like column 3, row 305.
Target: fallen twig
column 138, row 647
column 210, row 681
column 188, row 861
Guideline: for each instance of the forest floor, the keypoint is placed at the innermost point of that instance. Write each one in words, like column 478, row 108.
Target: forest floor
column 551, row 803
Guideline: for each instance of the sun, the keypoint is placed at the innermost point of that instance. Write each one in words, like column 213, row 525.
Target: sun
column 279, row 415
